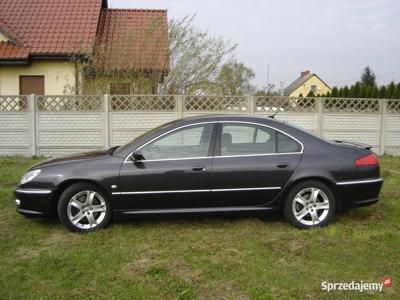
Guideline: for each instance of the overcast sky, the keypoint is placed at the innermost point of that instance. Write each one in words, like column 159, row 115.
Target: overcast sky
column 335, row 39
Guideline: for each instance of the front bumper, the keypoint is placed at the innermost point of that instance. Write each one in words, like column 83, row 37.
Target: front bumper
column 359, row 193
column 33, row 202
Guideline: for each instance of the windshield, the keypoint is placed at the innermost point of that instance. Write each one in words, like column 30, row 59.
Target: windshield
column 151, row 131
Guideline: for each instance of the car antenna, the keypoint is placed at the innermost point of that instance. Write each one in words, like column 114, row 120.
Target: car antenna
column 277, row 111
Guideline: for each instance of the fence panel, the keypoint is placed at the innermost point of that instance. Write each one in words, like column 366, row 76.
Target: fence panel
column 301, row 112
column 392, row 124
column 14, row 126
column 131, row 116
column 69, row 124
column 353, row 120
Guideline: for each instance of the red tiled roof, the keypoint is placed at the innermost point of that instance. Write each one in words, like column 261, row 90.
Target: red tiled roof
column 52, row 26
column 134, row 38
column 10, row 51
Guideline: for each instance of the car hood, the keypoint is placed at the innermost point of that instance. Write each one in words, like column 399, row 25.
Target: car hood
column 75, row 158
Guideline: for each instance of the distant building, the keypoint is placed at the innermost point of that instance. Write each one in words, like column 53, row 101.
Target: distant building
column 306, row 83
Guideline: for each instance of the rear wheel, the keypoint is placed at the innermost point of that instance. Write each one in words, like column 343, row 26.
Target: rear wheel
column 83, row 207
column 309, row 204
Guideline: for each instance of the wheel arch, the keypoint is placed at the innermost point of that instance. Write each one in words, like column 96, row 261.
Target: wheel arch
column 66, row 184
column 327, row 181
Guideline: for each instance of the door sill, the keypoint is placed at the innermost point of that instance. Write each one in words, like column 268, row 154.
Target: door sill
column 193, row 210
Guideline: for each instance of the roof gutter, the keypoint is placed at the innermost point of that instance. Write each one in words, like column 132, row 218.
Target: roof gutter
column 13, row 62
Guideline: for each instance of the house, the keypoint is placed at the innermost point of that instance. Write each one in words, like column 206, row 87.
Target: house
column 306, row 83
column 57, row 47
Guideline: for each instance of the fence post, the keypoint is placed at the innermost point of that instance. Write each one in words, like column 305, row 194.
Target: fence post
column 320, row 118
column 251, row 100
column 382, row 134
column 32, row 119
column 106, row 106
column 179, row 106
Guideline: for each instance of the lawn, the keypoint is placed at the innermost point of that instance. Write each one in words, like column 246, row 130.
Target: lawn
column 202, row 258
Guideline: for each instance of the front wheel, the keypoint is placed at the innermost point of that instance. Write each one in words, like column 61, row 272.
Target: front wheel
column 83, row 207
column 309, row 204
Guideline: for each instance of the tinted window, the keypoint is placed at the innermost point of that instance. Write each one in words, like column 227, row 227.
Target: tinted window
column 184, row 143
column 243, row 139
column 287, row 144
column 240, row 139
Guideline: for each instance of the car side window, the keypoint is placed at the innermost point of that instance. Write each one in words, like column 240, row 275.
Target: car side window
column 243, row 139
column 287, row 144
column 187, row 142
column 248, row 139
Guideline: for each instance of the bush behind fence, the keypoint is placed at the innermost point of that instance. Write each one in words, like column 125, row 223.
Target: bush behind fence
column 54, row 125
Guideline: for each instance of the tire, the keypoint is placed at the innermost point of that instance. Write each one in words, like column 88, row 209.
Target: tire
column 83, row 207
column 309, row 204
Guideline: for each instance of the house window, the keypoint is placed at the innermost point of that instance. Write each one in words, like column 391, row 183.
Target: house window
column 314, row 89
column 120, row 88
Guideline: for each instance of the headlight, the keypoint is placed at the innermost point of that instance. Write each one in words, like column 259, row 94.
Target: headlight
column 29, row 176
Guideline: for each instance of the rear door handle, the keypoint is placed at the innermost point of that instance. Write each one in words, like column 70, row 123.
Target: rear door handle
column 198, row 169
column 283, row 165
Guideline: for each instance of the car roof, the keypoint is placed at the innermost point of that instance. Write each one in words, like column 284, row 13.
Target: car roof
column 231, row 117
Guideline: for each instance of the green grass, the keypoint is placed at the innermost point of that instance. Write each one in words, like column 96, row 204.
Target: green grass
column 213, row 258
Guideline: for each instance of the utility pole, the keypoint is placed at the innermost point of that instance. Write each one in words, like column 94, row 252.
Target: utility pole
column 268, row 80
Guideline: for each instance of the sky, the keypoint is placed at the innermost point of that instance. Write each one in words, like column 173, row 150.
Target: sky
column 334, row 39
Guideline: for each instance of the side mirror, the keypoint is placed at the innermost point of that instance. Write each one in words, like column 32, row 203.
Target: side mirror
column 137, row 156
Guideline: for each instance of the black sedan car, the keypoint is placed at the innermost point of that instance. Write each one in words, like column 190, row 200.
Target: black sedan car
column 205, row 164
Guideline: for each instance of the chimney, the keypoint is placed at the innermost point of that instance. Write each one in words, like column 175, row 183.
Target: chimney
column 304, row 73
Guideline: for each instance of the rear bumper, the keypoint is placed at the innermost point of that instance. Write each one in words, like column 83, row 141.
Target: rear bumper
column 359, row 193
column 35, row 203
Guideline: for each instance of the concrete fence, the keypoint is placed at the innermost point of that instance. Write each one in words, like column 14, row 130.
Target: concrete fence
column 58, row 125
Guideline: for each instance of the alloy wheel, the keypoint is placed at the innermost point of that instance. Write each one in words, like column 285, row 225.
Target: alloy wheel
column 86, row 209
column 310, row 206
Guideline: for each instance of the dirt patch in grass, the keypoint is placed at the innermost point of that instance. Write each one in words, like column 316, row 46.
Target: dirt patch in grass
column 181, row 269
column 222, row 290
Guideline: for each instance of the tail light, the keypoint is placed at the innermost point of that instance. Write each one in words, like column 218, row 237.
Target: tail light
column 367, row 160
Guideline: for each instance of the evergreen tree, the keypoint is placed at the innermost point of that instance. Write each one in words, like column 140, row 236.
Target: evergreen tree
column 328, row 94
column 340, row 93
column 398, row 91
column 310, row 94
column 362, row 91
column 301, row 95
column 375, row 92
column 335, row 92
column 346, row 92
column 368, row 77
column 382, row 92
column 368, row 91
column 356, row 90
column 391, row 91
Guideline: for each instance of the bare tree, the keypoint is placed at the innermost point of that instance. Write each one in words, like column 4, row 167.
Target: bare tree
column 196, row 59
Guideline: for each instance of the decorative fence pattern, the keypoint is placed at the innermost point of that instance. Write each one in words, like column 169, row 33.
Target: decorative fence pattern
column 57, row 125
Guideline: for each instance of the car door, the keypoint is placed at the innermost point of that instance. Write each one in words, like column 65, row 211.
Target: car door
column 174, row 170
column 252, row 164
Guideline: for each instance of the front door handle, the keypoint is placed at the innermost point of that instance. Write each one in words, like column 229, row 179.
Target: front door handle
column 198, row 169
column 283, row 165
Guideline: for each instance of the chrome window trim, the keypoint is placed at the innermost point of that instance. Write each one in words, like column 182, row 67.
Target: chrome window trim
column 33, row 191
column 197, row 191
column 219, row 156
column 172, row 159
column 359, row 181
column 160, row 136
